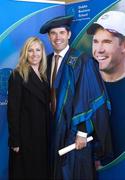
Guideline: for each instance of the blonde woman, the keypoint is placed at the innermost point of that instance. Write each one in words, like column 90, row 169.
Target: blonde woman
column 28, row 114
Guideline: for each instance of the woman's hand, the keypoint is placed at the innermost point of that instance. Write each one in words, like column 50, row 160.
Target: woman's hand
column 15, row 149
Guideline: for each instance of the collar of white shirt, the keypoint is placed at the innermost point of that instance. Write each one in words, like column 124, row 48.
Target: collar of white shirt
column 62, row 54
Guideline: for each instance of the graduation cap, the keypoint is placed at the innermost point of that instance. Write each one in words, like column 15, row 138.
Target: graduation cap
column 60, row 21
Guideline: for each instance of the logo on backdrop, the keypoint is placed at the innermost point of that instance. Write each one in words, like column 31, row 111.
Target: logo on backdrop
column 4, row 76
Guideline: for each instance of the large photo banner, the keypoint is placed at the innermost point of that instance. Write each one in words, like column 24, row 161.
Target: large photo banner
column 85, row 13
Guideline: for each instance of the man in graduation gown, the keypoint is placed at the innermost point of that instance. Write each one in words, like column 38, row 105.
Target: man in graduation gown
column 81, row 106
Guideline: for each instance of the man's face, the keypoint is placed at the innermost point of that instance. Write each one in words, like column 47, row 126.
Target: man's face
column 59, row 38
column 107, row 50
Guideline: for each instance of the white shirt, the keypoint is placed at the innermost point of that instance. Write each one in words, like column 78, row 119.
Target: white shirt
column 62, row 54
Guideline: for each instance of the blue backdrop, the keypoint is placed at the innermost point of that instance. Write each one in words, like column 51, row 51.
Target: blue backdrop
column 20, row 20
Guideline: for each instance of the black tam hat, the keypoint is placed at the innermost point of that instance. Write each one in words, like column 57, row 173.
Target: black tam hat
column 61, row 21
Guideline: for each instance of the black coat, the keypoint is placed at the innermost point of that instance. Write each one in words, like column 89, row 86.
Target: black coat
column 28, row 116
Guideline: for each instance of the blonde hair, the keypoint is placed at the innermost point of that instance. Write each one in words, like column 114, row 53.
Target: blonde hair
column 23, row 67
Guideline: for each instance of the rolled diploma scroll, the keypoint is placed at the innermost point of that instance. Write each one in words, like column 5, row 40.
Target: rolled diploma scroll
column 71, row 147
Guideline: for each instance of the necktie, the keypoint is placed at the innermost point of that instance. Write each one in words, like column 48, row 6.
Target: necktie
column 53, row 92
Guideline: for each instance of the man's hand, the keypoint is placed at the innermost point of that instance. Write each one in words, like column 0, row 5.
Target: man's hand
column 80, row 142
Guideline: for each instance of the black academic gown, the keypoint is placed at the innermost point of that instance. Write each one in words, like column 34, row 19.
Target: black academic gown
column 28, row 117
column 81, row 100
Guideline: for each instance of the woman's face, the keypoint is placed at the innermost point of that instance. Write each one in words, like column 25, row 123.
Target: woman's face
column 34, row 55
